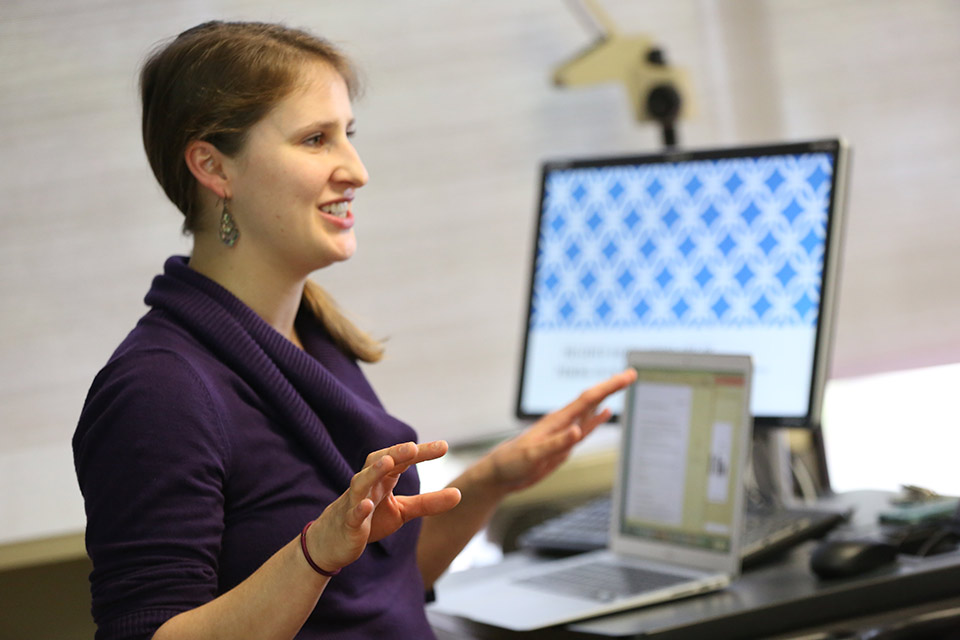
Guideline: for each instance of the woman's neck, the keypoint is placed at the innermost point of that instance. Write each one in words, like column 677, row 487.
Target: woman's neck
column 271, row 290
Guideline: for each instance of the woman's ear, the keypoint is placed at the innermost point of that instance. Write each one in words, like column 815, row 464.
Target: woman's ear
column 206, row 164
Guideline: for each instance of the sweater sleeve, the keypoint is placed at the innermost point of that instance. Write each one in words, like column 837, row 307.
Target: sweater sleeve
column 150, row 457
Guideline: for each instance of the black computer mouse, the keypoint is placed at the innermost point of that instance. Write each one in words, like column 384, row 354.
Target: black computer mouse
column 839, row 558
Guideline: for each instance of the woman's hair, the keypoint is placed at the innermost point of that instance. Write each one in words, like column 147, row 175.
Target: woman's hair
column 213, row 83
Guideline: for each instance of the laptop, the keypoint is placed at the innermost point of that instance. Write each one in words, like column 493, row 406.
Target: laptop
column 678, row 504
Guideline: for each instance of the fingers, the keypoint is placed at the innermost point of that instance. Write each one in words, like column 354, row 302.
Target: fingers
column 593, row 421
column 398, row 452
column 599, row 392
column 375, row 481
column 362, row 485
column 344, row 525
column 429, row 451
column 356, row 516
column 406, row 454
column 561, row 443
column 588, row 401
column 429, row 504
column 556, row 444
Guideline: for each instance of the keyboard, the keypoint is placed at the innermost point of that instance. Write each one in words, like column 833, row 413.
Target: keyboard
column 766, row 532
column 603, row 581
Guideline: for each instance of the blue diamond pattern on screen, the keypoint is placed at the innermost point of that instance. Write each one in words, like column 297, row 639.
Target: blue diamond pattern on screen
column 731, row 242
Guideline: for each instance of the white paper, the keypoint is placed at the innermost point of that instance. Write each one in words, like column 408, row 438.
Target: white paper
column 658, row 452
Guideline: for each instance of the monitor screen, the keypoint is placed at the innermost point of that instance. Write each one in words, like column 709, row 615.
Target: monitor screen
column 723, row 251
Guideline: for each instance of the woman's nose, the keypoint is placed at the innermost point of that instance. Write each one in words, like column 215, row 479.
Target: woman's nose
column 351, row 168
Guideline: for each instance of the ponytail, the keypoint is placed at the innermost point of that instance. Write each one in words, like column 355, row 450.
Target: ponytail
column 351, row 340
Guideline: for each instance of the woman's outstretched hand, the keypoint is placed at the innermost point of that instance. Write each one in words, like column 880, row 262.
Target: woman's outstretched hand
column 369, row 511
column 513, row 465
column 529, row 457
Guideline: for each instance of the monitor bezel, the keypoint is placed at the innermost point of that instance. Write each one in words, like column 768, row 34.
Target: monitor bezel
column 823, row 344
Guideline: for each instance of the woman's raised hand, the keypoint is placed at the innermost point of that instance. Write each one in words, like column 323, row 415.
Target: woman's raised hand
column 369, row 511
column 532, row 455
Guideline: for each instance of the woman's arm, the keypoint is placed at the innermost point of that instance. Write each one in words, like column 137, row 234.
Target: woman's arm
column 275, row 601
column 513, row 465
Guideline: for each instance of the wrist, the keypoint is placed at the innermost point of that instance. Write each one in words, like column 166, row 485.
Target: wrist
column 309, row 558
column 483, row 481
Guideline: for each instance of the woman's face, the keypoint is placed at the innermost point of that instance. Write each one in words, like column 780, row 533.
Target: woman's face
column 293, row 184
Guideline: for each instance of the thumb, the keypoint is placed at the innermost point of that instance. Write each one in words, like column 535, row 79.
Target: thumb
column 428, row 504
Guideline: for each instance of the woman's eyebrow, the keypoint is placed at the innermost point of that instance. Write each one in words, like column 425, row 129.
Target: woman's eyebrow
column 323, row 125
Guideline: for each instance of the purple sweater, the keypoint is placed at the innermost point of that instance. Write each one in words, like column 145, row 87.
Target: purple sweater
column 207, row 442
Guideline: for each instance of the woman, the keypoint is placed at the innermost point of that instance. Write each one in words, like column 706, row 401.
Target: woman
column 232, row 456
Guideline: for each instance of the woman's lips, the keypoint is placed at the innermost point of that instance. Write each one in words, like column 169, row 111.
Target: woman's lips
column 344, row 221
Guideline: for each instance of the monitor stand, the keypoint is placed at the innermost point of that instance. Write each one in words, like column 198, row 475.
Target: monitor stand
column 771, row 458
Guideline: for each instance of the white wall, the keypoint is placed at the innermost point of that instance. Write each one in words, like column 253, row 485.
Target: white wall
column 458, row 113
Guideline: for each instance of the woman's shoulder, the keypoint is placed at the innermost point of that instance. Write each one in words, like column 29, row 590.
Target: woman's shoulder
column 156, row 332
column 158, row 382
column 159, row 349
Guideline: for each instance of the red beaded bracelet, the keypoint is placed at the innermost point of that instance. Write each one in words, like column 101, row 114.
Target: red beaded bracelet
column 306, row 554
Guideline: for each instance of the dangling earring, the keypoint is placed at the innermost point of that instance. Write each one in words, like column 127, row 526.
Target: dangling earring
column 228, row 227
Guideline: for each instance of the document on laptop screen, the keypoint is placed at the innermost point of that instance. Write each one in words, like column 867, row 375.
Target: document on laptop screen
column 658, row 453
column 681, row 449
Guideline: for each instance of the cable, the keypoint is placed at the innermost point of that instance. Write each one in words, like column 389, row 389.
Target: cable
column 592, row 17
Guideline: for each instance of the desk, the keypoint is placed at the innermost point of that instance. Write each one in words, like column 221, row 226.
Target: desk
column 772, row 599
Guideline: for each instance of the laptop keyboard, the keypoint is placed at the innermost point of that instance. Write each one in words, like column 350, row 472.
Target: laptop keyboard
column 602, row 581
column 586, row 528
column 763, row 526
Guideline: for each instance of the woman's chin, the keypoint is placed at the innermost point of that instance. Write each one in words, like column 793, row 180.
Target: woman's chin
column 340, row 252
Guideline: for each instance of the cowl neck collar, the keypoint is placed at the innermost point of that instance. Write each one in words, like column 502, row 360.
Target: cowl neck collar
column 309, row 400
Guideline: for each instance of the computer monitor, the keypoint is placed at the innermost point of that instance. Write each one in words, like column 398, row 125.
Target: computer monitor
column 727, row 250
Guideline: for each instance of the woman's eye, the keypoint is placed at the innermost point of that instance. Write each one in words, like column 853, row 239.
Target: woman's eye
column 314, row 141
column 351, row 133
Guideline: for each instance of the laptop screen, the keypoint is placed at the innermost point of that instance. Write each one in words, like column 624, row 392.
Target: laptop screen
column 684, row 428
column 724, row 251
